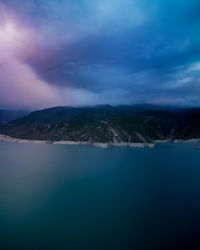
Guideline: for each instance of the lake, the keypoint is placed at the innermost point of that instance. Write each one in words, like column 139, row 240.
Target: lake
column 82, row 197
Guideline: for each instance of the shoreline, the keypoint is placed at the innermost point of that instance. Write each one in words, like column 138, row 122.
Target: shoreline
column 96, row 144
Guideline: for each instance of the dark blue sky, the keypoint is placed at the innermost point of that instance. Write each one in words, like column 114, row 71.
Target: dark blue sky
column 82, row 52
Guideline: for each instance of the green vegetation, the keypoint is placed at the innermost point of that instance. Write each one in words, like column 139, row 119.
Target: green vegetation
column 106, row 124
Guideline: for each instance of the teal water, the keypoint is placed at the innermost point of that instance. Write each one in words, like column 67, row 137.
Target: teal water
column 79, row 197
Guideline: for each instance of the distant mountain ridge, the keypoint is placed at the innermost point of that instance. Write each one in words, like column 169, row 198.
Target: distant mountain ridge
column 105, row 123
column 10, row 115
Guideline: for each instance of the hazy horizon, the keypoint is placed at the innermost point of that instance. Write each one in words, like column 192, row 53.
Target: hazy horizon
column 144, row 106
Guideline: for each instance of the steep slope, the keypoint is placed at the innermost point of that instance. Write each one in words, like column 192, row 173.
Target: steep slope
column 106, row 124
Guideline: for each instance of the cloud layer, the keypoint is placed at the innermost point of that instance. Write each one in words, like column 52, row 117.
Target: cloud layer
column 99, row 51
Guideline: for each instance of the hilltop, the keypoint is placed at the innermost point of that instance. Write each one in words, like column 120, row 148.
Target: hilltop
column 103, row 124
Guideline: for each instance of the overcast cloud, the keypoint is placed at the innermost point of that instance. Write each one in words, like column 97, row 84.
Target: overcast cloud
column 87, row 52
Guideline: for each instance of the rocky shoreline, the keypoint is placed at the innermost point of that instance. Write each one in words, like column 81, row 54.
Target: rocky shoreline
column 95, row 144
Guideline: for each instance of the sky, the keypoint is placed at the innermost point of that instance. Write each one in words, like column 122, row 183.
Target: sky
column 88, row 52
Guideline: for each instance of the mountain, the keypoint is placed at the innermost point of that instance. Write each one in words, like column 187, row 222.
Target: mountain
column 106, row 124
column 10, row 115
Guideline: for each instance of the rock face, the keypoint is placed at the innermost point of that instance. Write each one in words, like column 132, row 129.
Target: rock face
column 103, row 124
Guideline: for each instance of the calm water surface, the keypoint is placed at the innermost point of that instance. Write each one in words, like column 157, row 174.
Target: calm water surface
column 79, row 197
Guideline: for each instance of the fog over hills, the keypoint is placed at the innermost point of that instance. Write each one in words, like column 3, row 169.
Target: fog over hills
column 7, row 115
